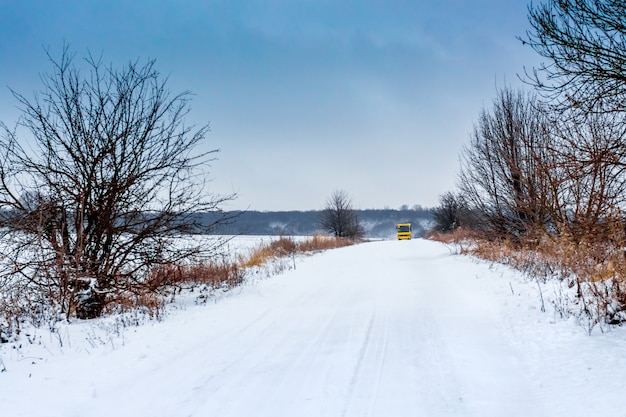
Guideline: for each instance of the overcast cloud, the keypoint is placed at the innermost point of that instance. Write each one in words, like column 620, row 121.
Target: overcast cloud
column 303, row 97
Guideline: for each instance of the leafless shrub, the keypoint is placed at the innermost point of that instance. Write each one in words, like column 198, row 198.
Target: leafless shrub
column 591, row 155
column 114, row 181
column 506, row 170
column 165, row 281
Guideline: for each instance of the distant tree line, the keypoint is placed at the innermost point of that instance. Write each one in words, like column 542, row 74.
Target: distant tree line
column 376, row 223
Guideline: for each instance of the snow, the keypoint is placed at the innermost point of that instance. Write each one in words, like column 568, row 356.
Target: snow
column 385, row 328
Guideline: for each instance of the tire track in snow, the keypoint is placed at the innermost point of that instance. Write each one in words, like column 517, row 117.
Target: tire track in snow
column 386, row 329
column 372, row 354
column 359, row 363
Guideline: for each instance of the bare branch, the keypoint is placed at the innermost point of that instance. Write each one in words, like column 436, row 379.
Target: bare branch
column 115, row 179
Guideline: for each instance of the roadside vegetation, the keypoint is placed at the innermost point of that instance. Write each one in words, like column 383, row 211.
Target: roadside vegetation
column 104, row 206
column 285, row 247
column 542, row 181
column 100, row 179
column 165, row 284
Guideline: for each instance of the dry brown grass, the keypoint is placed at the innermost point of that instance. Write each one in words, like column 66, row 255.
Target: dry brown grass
column 321, row 242
column 592, row 262
column 595, row 269
column 286, row 246
column 212, row 275
column 215, row 274
column 457, row 236
column 150, row 303
column 164, row 282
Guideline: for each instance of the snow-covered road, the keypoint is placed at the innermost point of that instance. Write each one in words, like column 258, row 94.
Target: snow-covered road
column 379, row 329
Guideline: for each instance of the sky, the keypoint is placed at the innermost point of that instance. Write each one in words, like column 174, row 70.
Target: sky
column 303, row 97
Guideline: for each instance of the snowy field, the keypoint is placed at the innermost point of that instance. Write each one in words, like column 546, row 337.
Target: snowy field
column 386, row 329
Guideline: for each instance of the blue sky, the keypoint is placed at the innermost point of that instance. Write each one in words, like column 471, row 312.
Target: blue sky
column 303, row 97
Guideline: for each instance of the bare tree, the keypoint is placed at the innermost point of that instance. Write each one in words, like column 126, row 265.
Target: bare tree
column 584, row 42
column 505, row 168
column 528, row 170
column 98, row 182
column 339, row 218
column 452, row 212
column 592, row 165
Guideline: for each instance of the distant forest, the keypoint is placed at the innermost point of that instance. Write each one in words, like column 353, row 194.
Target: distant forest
column 376, row 223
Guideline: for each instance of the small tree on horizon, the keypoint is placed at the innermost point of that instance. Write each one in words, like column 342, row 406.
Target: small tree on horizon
column 339, row 218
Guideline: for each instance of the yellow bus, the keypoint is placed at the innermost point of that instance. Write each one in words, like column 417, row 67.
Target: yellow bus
column 404, row 231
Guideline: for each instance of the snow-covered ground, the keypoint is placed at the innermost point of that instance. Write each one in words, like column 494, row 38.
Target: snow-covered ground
column 385, row 328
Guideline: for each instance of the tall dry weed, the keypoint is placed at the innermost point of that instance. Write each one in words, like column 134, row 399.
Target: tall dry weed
column 148, row 300
column 593, row 269
column 287, row 246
